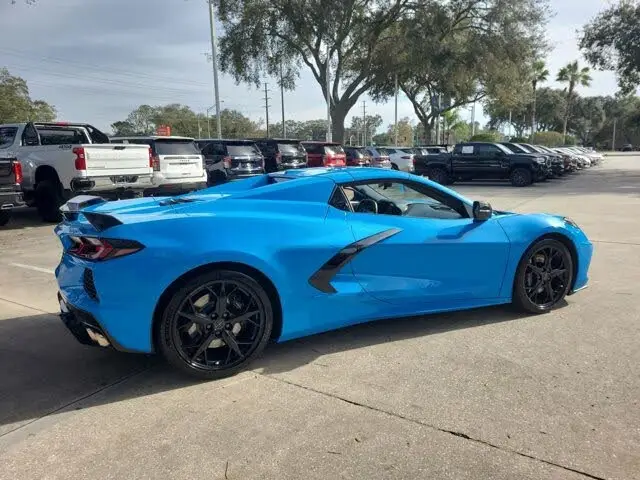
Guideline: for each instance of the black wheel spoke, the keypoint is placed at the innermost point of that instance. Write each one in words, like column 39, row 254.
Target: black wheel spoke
column 195, row 318
column 559, row 272
column 231, row 342
column 203, row 346
column 246, row 317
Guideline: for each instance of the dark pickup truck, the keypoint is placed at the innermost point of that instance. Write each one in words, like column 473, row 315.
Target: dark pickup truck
column 10, row 191
column 486, row 161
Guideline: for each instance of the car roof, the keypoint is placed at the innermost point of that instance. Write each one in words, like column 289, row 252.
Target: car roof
column 343, row 174
column 151, row 137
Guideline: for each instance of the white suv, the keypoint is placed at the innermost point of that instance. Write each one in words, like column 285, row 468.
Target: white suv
column 178, row 165
column 401, row 158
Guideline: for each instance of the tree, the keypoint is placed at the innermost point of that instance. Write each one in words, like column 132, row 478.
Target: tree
column 610, row 42
column 142, row 120
column 539, row 74
column 460, row 51
column 305, row 130
column 588, row 117
column 405, row 133
column 572, row 75
column 338, row 38
column 122, row 128
column 16, row 104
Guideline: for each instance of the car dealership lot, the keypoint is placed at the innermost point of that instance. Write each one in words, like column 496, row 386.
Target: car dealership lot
column 482, row 394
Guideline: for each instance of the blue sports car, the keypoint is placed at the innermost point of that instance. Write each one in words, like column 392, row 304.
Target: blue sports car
column 208, row 279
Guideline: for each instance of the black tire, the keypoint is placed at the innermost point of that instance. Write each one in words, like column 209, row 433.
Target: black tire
column 49, row 200
column 394, row 166
column 549, row 285
column 521, row 177
column 5, row 216
column 175, row 331
column 216, row 177
column 438, row 175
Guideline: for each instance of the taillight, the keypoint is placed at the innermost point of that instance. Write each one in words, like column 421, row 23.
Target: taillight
column 98, row 249
column 155, row 163
column 17, row 171
column 81, row 161
column 278, row 158
column 227, row 162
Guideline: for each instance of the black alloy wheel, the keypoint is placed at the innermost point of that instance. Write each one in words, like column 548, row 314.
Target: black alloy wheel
column 217, row 324
column 521, row 177
column 438, row 175
column 544, row 276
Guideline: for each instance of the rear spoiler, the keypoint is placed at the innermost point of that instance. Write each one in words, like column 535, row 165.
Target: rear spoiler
column 100, row 221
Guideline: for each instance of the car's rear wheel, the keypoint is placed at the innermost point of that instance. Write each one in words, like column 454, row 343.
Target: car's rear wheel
column 394, row 166
column 49, row 199
column 544, row 276
column 521, row 177
column 5, row 216
column 438, row 175
column 216, row 324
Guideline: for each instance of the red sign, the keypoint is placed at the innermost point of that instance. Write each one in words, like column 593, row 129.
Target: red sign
column 163, row 130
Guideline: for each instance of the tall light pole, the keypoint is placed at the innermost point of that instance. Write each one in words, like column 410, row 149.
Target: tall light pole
column 395, row 124
column 214, row 62
column 329, row 132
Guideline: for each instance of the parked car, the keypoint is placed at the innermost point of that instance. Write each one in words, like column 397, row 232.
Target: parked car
column 178, row 165
column 357, row 156
column 557, row 162
column 595, row 157
column 570, row 164
column 324, row 154
column 627, row 147
column 10, row 190
column 197, row 288
column 482, row 160
column 401, row 158
column 227, row 160
column 582, row 160
column 379, row 157
column 281, row 154
column 60, row 160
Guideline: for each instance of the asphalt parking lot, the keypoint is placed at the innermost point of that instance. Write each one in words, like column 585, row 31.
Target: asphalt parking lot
column 471, row 395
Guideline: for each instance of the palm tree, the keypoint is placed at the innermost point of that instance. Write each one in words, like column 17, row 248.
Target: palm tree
column 574, row 76
column 539, row 74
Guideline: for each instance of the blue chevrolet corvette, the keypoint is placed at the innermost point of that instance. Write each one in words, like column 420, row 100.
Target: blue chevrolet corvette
column 208, row 279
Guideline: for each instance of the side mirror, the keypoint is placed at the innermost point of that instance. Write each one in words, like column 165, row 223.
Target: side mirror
column 482, row 211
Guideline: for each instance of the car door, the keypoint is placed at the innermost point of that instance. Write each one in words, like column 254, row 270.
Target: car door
column 442, row 260
column 464, row 160
column 490, row 160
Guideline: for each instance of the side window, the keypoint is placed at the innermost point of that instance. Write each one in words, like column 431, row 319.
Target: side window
column 487, row 150
column 208, row 149
column 465, row 149
column 339, row 200
column 406, row 199
column 30, row 136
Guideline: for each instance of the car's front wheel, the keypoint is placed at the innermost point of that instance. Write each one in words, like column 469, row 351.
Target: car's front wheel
column 216, row 324
column 544, row 276
column 521, row 177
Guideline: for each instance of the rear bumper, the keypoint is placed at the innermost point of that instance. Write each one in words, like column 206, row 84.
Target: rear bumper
column 84, row 326
column 10, row 199
column 176, row 188
column 114, row 185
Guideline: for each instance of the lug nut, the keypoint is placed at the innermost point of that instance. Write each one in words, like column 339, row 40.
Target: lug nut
column 228, row 326
column 218, row 333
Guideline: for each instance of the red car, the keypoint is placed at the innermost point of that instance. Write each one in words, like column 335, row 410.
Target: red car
column 324, row 154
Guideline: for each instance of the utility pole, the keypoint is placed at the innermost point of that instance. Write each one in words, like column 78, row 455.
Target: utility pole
column 209, row 122
column 395, row 128
column 214, row 61
column 266, row 105
column 473, row 119
column 613, row 138
column 364, row 123
column 438, row 119
column 284, row 127
column 328, row 86
column 510, row 124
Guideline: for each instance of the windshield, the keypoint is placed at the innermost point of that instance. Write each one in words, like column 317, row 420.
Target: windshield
column 503, row 148
column 290, row 148
column 333, row 149
column 242, row 149
column 7, row 135
column 176, row 147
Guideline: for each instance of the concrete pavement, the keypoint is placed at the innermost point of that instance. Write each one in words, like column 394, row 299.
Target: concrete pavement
column 481, row 394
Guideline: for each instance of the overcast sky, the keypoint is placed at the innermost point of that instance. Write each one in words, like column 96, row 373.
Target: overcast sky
column 98, row 60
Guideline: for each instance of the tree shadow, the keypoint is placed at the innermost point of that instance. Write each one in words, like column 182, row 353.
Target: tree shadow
column 45, row 370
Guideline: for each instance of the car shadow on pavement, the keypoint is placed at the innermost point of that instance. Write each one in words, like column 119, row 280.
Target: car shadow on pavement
column 45, row 371
column 24, row 217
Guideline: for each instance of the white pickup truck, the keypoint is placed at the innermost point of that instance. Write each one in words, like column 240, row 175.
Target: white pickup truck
column 61, row 160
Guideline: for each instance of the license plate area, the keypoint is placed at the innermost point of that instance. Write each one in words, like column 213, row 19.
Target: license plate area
column 120, row 179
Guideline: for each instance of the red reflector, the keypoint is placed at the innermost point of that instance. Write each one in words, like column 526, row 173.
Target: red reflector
column 227, row 162
column 278, row 157
column 81, row 161
column 17, row 171
column 155, row 163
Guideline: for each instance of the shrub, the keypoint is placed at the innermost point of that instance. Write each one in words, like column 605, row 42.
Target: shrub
column 487, row 137
column 553, row 139
column 519, row 140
